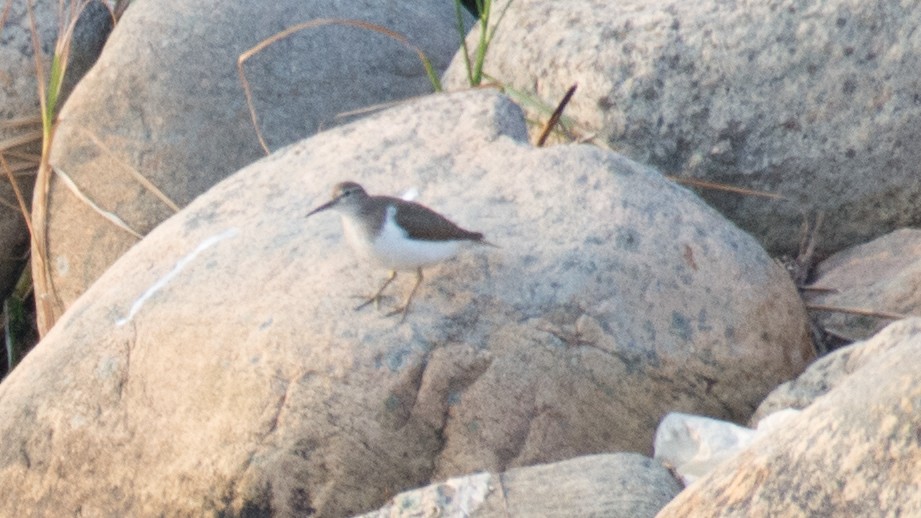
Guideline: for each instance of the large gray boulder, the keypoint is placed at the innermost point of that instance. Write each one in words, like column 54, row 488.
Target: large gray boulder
column 815, row 101
column 218, row 367
column 165, row 106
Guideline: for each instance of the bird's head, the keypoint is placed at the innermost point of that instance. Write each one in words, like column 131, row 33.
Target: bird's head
column 347, row 198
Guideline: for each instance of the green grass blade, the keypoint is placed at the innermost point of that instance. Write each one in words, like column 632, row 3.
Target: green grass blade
column 55, row 80
column 14, row 327
column 484, row 7
column 462, row 32
column 431, row 72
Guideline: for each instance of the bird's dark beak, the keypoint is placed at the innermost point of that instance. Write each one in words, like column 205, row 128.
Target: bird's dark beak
column 323, row 207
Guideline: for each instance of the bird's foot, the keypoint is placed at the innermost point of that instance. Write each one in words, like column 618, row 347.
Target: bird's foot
column 400, row 311
column 376, row 299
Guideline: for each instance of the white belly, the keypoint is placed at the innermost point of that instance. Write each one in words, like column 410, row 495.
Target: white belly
column 393, row 250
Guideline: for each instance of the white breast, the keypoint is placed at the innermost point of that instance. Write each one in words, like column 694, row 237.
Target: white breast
column 393, row 250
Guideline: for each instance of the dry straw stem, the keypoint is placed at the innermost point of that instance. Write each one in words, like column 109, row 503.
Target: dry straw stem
column 31, row 120
column 32, row 134
column 25, row 165
column 703, row 184
column 10, row 205
column 390, row 104
column 821, row 289
column 858, row 311
column 134, row 174
column 374, row 108
column 19, row 198
column 111, row 217
column 48, row 304
column 840, row 335
column 7, row 146
column 320, row 22
column 24, row 138
column 46, row 300
column 5, row 15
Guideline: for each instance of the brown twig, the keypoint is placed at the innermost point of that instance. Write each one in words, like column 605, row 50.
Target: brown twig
column 801, row 266
column 8, row 204
column 23, row 138
column 857, row 311
column 839, row 335
column 821, row 289
column 810, row 237
column 555, row 117
column 724, row 187
column 141, row 179
column 30, row 120
column 25, row 156
column 19, row 198
column 364, row 110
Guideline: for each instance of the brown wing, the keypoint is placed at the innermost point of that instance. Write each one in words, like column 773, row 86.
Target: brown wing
column 424, row 224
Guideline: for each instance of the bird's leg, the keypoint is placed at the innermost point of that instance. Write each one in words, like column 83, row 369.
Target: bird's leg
column 376, row 298
column 409, row 299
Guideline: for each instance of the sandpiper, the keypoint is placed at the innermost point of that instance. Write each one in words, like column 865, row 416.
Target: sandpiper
column 397, row 234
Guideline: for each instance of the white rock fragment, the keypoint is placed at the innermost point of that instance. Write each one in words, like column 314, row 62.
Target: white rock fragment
column 694, row 445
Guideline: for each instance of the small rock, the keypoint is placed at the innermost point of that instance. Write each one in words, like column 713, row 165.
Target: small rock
column 611, row 485
column 695, row 445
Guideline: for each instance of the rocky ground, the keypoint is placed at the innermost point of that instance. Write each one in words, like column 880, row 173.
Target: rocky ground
column 205, row 358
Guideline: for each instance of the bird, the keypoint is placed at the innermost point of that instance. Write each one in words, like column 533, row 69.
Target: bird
column 396, row 234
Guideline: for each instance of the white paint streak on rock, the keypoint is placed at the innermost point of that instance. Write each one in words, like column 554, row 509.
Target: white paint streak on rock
column 180, row 265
